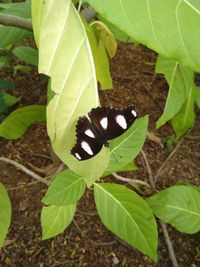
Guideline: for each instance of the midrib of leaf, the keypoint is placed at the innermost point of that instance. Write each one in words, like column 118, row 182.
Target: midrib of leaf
column 170, row 86
column 61, row 33
column 67, row 187
column 151, row 23
column 120, row 204
column 58, row 213
column 187, row 106
column 182, row 209
column 179, row 31
column 125, row 16
column 124, row 140
column 190, row 5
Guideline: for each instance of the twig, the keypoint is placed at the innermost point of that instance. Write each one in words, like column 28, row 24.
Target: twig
column 151, row 180
column 162, row 167
column 163, row 225
column 15, row 21
column 24, row 169
column 128, row 180
column 169, row 244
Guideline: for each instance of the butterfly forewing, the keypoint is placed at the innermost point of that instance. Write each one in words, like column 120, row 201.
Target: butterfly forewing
column 112, row 122
column 105, row 124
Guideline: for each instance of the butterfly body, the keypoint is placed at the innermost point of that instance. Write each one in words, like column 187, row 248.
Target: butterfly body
column 101, row 125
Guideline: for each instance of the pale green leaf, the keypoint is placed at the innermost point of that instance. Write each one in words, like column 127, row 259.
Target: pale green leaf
column 179, row 206
column 168, row 27
column 102, row 67
column 65, row 56
column 55, row 219
column 19, row 120
column 127, row 146
column 66, row 188
column 119, row 35
column 128, row 216
column 180, row 80
column 27, row 54
column 100, row 58
column 107, row 38
column 5, row 214
column 185, row 119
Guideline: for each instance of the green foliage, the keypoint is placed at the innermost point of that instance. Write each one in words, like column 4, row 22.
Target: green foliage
column 63, row 62
column 55, row 219
column 10, row 35
column 19, row 120
column 3, row 61
column 4, row 84
column 6, row 100
column 179, row 206
column 181, row 97
column 99, row 56
column 167, row 27
column 128, row 216
column 170, row 141
column 5, row 214
column 26, row 54
column 66, row 188
column 127, row 145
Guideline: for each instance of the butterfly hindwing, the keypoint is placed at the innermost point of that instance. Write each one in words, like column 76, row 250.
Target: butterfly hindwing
column 87, row 142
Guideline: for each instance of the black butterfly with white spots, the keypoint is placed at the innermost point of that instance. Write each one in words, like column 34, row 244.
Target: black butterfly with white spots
column 103, row 124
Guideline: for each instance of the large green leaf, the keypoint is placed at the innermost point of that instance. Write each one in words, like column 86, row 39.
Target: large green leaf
column 180, row 80
column 66, row 188
column 8, row 34
column 19, row 120
column 27, row 54
column 126, row 147
column 168, row 27
column 55, row 219
column 128, row 216
column 178, row 205
column 65, row 56
column 185, row 119
column 5, row 214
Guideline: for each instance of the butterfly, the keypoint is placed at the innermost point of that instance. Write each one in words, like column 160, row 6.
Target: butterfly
column 101, row 125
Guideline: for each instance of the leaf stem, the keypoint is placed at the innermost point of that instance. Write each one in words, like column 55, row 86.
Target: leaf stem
column 15, row 21
column 24, row 169
column 128, row 180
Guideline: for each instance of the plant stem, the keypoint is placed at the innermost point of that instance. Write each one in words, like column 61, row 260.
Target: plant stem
column 163, row 225
column 169, row 244
column 24, row 169
column 128, row 180
column 10, row 20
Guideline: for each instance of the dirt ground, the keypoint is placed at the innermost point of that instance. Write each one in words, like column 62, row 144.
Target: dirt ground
column 86, row 242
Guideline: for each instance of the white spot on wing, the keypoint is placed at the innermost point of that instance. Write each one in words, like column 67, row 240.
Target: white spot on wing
column 104, row 122
column 134, row 113
column 85, row 146
column 77, row 156
column 121, row 121
column 89, row 133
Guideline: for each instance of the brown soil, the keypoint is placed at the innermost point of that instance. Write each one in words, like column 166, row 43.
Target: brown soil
column 86, row 242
